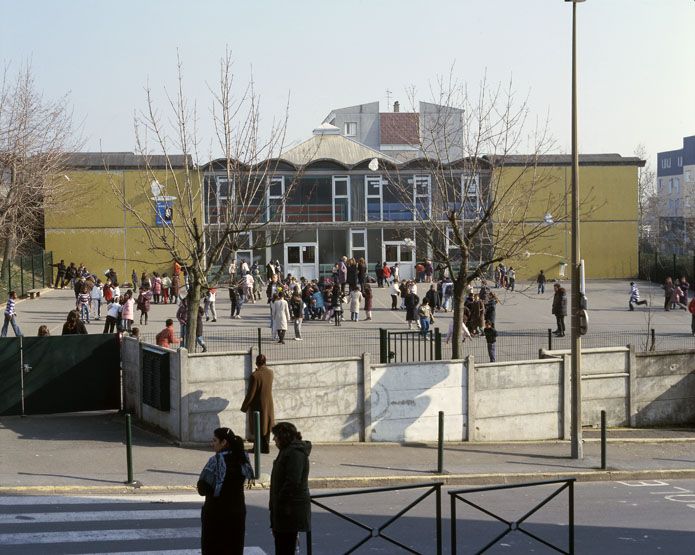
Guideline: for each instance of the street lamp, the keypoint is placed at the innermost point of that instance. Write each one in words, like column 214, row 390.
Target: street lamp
column 575, row 337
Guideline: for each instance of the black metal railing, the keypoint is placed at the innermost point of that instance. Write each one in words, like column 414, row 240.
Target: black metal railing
column 516, row 525
column 378, row 531
column 409, row 345
column 24, row 273
column 324, row 341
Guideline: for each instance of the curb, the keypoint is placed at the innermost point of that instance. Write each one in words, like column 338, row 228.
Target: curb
column 379, row 481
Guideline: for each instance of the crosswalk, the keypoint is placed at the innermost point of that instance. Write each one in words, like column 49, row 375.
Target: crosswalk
column 122, row 525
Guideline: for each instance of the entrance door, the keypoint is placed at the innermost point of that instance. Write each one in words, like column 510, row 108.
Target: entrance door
column 399, row 251
column 301, row 260
column 240, row 257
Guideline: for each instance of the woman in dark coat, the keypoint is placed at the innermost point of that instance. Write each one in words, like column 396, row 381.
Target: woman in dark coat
column 352, row 273
column 223, row 516
column 290, row 510
column 361, row 272
column 411, row 301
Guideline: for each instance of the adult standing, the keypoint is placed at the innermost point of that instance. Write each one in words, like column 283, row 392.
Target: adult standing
column 11, row 316
column 280, row 314
column 351, row 273
column 342, row 272
column 379, row 274
column 290, row 502
column 96, row 296
column 113, row 313
column 668, row 293
column 395, row 291
column 259, row 397
column 386, row 273
column 296, row 305
column 174, row 291
column 223, row 516
column 540, row 280
column 235, row 301
column 691, row 309
column 144, row 303
column 60, row 276
column 411, row 301
column 560, row 309
column 182, row 317
column 361, row 272
column 128, row 312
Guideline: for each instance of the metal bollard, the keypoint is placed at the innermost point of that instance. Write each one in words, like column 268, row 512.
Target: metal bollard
column 440, row 444
column 257, row 444
column 603, row 440
column 550, row 339
column 260, row 348
column 129, row 448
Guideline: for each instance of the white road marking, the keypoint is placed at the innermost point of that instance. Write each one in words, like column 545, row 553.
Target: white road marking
column 86, row 536
column 94, row 516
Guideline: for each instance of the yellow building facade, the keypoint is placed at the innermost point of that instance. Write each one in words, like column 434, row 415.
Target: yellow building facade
column 91, row 225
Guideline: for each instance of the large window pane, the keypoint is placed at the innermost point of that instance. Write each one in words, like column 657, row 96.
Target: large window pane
column 293, row 255
column 398, row 203
column 341, row 209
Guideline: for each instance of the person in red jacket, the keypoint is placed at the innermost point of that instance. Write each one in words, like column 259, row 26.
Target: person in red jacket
column 386, row 272
column 166, row 337
column 691, row 309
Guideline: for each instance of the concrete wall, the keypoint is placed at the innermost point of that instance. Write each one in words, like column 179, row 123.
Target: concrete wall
column 406, row 398
column 517, row 401
column 335, row 400
column 663, row 389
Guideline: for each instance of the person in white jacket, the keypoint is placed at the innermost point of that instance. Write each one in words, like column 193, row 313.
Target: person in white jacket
column 280, row 314
column 96, row 297
column 356, row 299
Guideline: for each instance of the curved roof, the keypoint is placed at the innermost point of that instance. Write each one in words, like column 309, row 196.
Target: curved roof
column 325, row 146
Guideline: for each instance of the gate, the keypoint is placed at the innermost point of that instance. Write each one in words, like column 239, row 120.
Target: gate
column 69, row 373
column 409, row 346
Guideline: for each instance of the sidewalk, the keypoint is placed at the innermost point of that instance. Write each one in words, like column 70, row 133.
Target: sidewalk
column 86, row 453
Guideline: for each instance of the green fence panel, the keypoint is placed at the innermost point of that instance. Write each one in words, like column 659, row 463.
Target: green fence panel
column 68, row 374
column 9, row 376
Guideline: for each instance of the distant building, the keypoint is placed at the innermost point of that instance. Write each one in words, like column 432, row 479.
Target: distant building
column 675, row 173
column 403, row 135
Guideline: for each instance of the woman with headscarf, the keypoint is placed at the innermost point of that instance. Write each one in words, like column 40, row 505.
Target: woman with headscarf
column 223, row 516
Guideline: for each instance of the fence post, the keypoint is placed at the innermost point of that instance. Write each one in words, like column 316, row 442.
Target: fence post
column 603, row 440
column 438, row 501
column 453, row 523
column 383, row 346
column 259, row 341
column 257, row 443
column 550, row 339
column 33, row 274
column 437, row 344
column 21, row 275
column 129, row 450
column 440, row 444
column 674, row 265
column 652, row 347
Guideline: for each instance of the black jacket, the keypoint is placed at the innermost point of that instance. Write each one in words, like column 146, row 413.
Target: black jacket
column 290, row 505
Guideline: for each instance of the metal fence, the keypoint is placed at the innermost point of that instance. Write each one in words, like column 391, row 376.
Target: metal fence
column 655, row 267
column 32, row 271
column 342, row 342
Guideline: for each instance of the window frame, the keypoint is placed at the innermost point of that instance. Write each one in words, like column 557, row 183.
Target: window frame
column 269, row 197
column 346, row 128
column 346, row 179
column 416, row 178
column 372, row 179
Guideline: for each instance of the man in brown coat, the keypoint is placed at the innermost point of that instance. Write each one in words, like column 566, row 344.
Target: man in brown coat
column 260, row 398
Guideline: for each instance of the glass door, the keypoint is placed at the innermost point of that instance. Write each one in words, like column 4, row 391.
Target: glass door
column 402, row 253
column 301, row 260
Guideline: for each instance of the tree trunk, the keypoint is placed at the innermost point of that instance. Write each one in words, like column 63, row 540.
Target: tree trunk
column 7, row 256
column 193, row 297
column 459, row 298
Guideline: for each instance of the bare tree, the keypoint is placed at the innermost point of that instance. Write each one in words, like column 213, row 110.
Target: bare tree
column 239, row 205
column 36, row 136
column 487, row 203
column 647, row 201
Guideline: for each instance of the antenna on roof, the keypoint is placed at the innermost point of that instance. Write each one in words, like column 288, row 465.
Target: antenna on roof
column 388, row 98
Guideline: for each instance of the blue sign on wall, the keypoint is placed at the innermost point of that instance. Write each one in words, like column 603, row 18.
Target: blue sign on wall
column 164, row 212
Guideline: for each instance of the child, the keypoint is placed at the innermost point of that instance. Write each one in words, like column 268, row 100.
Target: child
column 491, row 338
column 634, row 296
column 425, row 314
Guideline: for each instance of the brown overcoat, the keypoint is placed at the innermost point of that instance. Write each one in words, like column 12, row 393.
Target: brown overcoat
column 259, row 397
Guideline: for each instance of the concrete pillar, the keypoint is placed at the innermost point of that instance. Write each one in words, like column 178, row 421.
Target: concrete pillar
column 366, row 375
column 469, row 366
column 566, row 408
column 631, row 386
column 179, row 366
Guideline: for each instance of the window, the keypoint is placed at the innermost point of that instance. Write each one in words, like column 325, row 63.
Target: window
column 341, row 199
column 470, row 192
column 670, row 185
column 217, row 201
column 421, row 194
column 665, row 163
column 688, row 176
column 372, row 187
column 677, row 185
column 680, row 162
column 358, row 242
column 275, row 196
column 350, row 128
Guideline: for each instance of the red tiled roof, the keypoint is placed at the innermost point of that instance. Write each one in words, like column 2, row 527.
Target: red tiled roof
column 399, row 128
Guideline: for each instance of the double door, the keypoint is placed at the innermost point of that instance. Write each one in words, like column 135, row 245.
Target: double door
column 401, row 252
column 301, row 260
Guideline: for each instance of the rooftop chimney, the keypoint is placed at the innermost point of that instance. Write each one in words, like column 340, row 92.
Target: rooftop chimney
column 396, row 107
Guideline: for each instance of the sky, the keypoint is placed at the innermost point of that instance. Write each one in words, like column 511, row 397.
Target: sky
column 636, row 59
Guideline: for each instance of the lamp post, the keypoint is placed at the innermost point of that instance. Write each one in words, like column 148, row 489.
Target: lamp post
column 575, row 339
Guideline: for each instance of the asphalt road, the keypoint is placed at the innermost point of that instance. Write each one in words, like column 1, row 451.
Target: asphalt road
column 613, row 518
